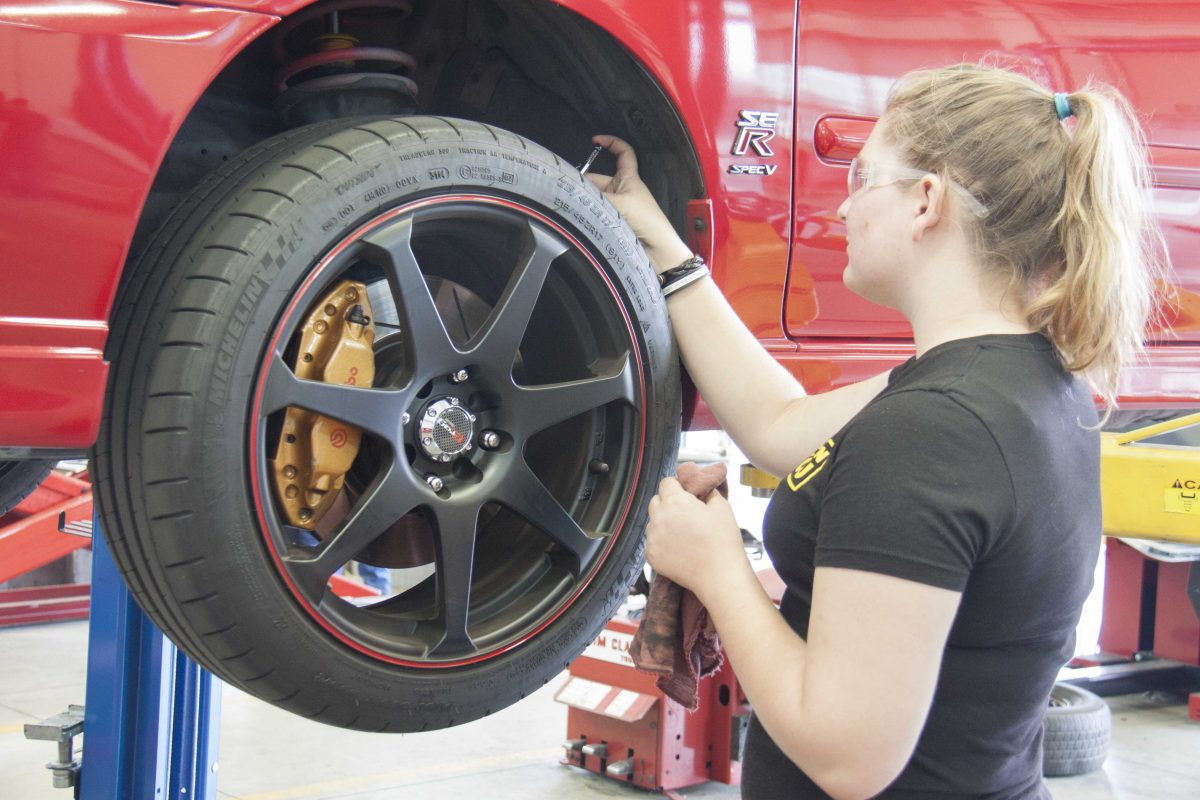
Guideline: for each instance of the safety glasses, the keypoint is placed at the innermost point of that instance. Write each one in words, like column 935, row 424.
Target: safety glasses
column 865, row 175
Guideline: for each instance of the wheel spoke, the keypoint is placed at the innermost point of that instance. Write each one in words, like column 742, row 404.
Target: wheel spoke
column 501, row 335
column 526, row 495
column 457, row 523
column 374, row 410
column 389, row 497
column 551, row 403
column 425, row 333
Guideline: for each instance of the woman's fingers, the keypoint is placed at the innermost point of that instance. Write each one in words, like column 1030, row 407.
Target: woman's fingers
column 623, row 151
column 633, row 201
column 669, row 486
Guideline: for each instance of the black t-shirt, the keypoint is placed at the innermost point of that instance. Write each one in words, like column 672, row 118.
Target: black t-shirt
column 975, row 471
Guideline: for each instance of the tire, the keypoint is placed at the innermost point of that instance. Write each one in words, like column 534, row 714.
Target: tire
column 478, row 251
column 1076, row 732
column 18, row 479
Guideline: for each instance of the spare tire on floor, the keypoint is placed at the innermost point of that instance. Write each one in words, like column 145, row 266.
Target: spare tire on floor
column 417, row 343
column 1077, row 732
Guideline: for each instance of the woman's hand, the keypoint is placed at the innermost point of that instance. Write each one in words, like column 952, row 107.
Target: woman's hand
column 633, row 200
column 692, row 542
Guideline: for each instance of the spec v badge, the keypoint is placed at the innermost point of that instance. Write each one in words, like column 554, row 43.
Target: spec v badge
column 754, row 130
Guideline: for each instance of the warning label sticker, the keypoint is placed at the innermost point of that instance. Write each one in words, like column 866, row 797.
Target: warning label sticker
column 611, row 646
column 621, row 703
column 583, row 693
column 1182, row 501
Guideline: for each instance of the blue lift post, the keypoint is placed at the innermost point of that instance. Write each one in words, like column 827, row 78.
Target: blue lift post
column 152, row 715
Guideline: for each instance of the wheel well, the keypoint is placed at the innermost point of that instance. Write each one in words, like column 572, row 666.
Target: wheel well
column 528, row 66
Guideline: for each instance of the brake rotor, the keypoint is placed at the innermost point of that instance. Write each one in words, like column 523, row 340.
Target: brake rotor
column 315, row 451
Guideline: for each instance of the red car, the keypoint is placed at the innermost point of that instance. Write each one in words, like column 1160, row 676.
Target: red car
column 320, row 283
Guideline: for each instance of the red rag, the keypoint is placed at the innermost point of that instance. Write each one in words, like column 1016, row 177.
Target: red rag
column 676, row 638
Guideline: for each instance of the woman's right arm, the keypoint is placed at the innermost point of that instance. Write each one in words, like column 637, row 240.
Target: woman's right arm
column 758, row 402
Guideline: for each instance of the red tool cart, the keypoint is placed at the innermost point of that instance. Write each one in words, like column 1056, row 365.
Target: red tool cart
column 621, row 726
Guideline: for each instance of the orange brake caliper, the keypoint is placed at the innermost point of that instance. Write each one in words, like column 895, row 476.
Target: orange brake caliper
column 315, row 451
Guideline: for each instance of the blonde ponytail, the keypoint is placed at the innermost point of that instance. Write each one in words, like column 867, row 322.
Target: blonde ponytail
column 1069, row 219
column 1097, row 309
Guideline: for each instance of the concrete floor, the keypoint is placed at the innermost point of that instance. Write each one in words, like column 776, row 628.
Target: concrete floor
column 268, row 754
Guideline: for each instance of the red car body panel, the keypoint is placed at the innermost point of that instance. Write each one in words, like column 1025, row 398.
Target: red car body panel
column 90, row 98
column 846, row 68
column 92, row 95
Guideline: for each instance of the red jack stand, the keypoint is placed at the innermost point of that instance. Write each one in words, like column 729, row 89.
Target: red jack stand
column 621, row 726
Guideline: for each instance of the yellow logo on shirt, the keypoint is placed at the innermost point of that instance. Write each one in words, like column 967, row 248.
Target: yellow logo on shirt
column 809, row 468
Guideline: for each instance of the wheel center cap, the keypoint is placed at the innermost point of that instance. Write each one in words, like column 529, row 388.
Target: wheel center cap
column 446, row 429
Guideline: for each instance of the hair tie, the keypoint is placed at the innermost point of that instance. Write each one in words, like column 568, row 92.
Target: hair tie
column 1062, row 105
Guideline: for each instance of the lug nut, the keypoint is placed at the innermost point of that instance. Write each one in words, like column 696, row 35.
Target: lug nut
column 350, row 295
column 289, row 471
column 320, row 326
column 490, row 440
column 435, row 482
column 459, row 376
column 453, row 401
column 427, row 441
column 405, row 417
column 330, row 310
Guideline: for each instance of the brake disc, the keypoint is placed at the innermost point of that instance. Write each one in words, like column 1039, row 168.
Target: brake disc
column 315, row 451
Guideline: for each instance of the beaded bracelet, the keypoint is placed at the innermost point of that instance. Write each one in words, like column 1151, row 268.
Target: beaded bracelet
column 687, row 273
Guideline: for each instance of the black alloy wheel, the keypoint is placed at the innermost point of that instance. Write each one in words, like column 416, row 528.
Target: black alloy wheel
column 506, row 519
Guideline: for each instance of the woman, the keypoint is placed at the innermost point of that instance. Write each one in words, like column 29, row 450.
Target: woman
column 939, row 533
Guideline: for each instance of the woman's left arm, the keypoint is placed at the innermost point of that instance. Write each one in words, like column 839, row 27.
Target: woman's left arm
column 848, row 705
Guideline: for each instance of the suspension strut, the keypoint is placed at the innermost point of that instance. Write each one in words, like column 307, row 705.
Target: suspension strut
column 333, row 67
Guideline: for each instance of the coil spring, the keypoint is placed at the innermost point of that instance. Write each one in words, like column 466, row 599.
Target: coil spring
column 338, row 59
